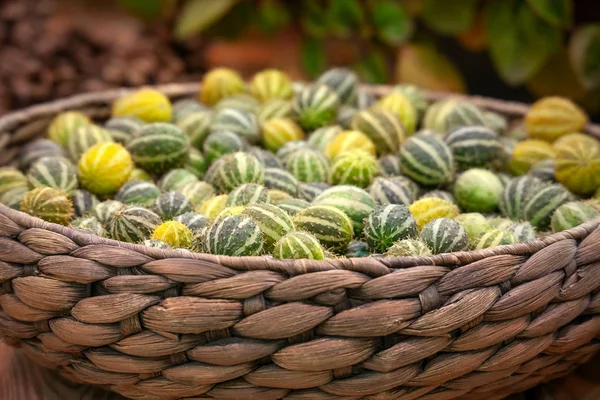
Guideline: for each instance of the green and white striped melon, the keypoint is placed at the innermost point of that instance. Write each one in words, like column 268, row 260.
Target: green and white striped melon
column 132, row 224
column 544, row 170
column 331, row 226
column 272, row 221
column 196, row 126
column 121, row 129
column 184, row 107
column 217, row 144
column 478, row 190
column 388, row 224
column 435, row 116
column 495, row 122
column 279, row 131
column 343, row 82
column 228, row 211
column 320, row 138
column 463, row 114
column 364, row 99
column 275, row 108
column 11, row 178
column 197, row 192
column 278, row 195
column 196, row 222
column 235, row 235
column 298, row 245
column 103, row 211
column 37, row 149
column 523, row 231
column 474, row 146
column 138, row 174
column 175, row 179
column 175, row 234
column 54, row 172
column 415, row 95
column 293, row 206
column 271, row 84
column 89, row 225
column 196, row 163
column 383, row 128
column 290, row 148
column 171, row 204
column 83, row 202
column 354, row 167
column 572, row 214
column 242, row 123
column 543, row 203
column 219, row 83
column 239, row 168
column 349, row 140
column 309, row 191
column 427, row 160
column 516, row 194
column 13, row 197
column 65, row 124
column 356, row 203
column 84, row 138
column 495, row 237
column 444, row 235
column 357, row 248
column 139, row 193
column 389, row 165
column 248, row 193
column 49, row 204
column 440, row 194
column 316, row 106
column 280, row 179
column 475, row 224
column 392, row 190
column 239, row 101
column 213, row 206
column 308, row 165
column 345, row 115
column 159, row 147
column 409, row 248
column 266, row 158
column 402, row 108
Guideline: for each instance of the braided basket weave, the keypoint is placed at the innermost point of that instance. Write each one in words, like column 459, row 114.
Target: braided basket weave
column 156, row 324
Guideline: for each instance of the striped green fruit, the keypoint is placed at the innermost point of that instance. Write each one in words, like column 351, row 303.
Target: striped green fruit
column 272, row 221
column 196, row 126
column 495, row 237
column 279, row 131
column 197, row 192
column 523, row 231
column 444, row 235
column 543, row 203
column 217, row 144
column 138, row 174
column 229, row 211
column 84, row 138
column 104, row 211
column 271, row 84
column 239, row 168
column 159, row 147
column 278, row 195
column 354, row 167
column 184, row 107
column 440, row 194
column 475, row 224
column 276, row 108
column 174, row 233
column 515, row 195
column 474, row 146
column 280, row 179
column 132, row 224
column 550, row 118
column 171, row 204
column 504, row 178
column 54, row 172
column 401, row 107
column 343, row 82
column 428, row 209
column 89, row 225
column 331, row 226
column 213, row 206
column 357, row 248
column 316, row 106
column 544, row 170
column 196, row 222
column 293, row 206
column 11, row 178
column 415, row 95
column 349, row 140
column 427, row 160
column 266, row 158
column 383, row 128
column 298, row 245
column 219, row 83
column 388, row 224
column 435, row 116
column 308, row 165
column 147, row 104
column 235, row 235
column 409, row 248
column 104, row 168
column 175, row 179
column 345, row 115
column 248, row 193
column 309, row 191
column 65, row 124
column 49, row 204
column 578, row 167
column 139, row 193
column 37, row 149
column 156, row 244
column 392, row 190
column 290, row 148
column 239, row 101
column 83, row 202
column 495, row 122
column 528, row 152
column 389, row 165
column 478, row 190
column 499, row 222
column 356, row 203
column 463, row 114
column 121, row 129
column 320, row 138
column 572, row 214
column 242, row 123
column 13, row 197
column 196, row 163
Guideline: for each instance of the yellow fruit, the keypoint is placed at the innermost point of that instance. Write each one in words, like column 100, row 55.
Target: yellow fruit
column 229, row 211
column 279, row 131
column 213, row 206
column 219, row 83
column 146, row 104
column 174, row 233
column 527, row 153
column 271, row 84
column 552, row 117
column 571, row 139
column 430, row 208
column 65, row 124
column 349, row 140
column 403, row 108
column 104, row 168
column 578, row 168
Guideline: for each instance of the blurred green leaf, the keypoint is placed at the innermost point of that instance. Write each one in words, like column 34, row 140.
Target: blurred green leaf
column 313, row 57
column 234, row 22
column 345, row 16
column 198, row 15
column 143, row 8
column 556, row 12
column 449, row 17
column 272, row 15
column 584, row 54
column 391, row 22
column 519, row 41
column 314, row 18
column 373, row 67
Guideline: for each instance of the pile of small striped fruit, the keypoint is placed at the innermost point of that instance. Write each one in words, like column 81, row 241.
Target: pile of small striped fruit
column 311, row 171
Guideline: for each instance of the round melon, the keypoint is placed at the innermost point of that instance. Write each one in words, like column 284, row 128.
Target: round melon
column 495, row 237
column 242, row 123
column 235, row 235
column 578, row 168
column 428, row 209
column 308, row 165
column 409, row 248
column 572, row 214
column 159, row 147
column 219, row 83
column 37, row 149
column 331, row 226
column 354, row 167
column 389, row 165
column 356, row 203
column 171, row 204
column 478, row 190
column 49, row 204
column 121, row 129
column 543, row 203
column 217, row 144
column 174, row 233
column 550, row 118
column 276, row 108
column 272, row 221
column 474, row 146
column 84, row 138
column 104, row 168
column 103, row 211
column 400, row 106
column 196, row 222
column 280, row 179
column 239, row 168
column 197, row 192
column 132, row 224
column 247, row 193
column 427, row 160
column 342, row 81
column 388, row 224
column 298, row 245
column 444, row 235
column 83, row 202
column 392, row 190
column 316, row 106
column 54, row 172
column 279, row 131
column 213, row 206
column 196, row 126
column 293, row 206
column 65, row 124
column 516, row 194
column 309, row 191
column 266, row 158
column 271, row 84
column 139, row 193
column 349, row 140
column 383, row 128
column 527, row 153
column 147, row 104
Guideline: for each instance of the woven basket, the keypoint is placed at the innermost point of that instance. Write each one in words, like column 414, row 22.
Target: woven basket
column 156, row 324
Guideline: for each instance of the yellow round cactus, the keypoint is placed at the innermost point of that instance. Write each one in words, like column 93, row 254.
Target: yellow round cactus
column 174, row 233
column 65, row 124
column 279, row 131
column 271, row 84
column 219, row 83
column 104, row 168
column 552, row 117
column 213, row 206
column 401, row 106
column 146, row 104
column 574, row 139
column 349, row 140
column 578, row 168
column 430, row 208
column 527, row 153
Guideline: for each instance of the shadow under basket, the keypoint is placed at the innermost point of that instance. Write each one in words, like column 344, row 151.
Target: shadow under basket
column 158, row 324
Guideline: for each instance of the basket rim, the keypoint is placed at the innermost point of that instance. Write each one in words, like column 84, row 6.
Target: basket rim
column 15, row 118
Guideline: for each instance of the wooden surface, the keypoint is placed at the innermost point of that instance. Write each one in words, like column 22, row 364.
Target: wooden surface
column 20, row 379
